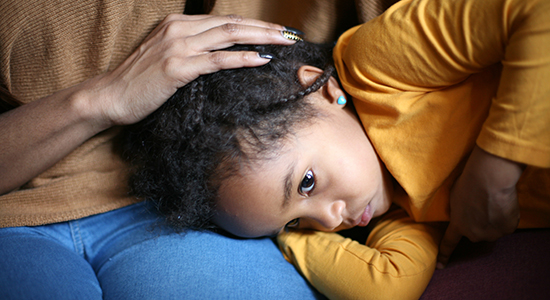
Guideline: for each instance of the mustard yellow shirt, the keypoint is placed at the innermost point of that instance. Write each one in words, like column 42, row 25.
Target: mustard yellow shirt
column 430, row 79
column 396, row 262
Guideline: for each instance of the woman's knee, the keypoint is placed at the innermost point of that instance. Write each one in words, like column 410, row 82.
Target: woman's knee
column 35, row 267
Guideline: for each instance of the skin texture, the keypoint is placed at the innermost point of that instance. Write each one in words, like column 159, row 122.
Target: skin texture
column 351, row 184
column 176, row 52
column 484, row 204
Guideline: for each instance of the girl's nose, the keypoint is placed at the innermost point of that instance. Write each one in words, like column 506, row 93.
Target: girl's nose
column 330, row 213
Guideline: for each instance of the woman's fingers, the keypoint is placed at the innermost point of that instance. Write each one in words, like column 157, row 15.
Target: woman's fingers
column 201, row 23
column 179, row 25
column 190, row 68
column 191, row 56
column 230, row 34
column 177, row 51
column 179, row 37
column 195, row 55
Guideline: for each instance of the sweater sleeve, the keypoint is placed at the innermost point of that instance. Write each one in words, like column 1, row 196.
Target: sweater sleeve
column 397, row 261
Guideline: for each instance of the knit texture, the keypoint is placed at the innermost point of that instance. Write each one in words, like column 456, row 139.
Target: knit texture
column 51, row 45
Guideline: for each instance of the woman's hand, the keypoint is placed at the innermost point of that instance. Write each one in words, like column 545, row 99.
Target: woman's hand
column 179, row 50
column 37, row 135
column 484, row 204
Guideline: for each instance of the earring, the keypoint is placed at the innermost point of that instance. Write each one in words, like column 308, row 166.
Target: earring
column 342, row 100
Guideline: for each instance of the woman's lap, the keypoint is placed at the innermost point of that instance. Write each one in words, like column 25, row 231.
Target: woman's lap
column 127, row 254
column 33, row 267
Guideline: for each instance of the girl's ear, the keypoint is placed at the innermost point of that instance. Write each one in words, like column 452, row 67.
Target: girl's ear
column 308, row 74
column 331, row 91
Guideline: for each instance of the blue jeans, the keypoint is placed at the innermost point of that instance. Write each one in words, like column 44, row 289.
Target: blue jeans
column 129, row 254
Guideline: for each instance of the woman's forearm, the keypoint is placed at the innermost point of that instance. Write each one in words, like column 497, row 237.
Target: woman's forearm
column 37, row 135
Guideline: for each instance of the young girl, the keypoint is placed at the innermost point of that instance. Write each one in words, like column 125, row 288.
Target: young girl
column 439, row 89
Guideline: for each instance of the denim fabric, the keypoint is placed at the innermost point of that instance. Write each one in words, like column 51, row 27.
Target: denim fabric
column 129, row 254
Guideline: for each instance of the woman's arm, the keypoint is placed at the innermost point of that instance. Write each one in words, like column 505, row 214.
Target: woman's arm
column 37, row 135
column 397, row 261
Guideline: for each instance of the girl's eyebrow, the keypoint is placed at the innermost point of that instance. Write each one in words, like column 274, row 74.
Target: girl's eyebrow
column 287, row 184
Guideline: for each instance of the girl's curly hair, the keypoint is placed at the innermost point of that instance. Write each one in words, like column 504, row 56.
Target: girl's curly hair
column 182, row 152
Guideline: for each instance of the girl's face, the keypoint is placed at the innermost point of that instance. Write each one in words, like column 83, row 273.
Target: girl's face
column 326, row 177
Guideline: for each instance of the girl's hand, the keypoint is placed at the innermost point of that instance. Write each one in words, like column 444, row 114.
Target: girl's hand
column 483, row 202
column 180, row 49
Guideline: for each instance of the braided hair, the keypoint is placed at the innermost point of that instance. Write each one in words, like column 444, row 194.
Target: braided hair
column 182, row 152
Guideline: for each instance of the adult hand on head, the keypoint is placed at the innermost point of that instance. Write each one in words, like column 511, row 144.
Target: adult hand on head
column 179, row 49
column 176, row 52
column 483, row 202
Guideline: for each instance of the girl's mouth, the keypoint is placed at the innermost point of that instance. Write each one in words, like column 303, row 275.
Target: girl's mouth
column 365, row 217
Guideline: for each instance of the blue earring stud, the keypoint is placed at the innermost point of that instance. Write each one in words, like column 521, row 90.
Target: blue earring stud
column 342, row 100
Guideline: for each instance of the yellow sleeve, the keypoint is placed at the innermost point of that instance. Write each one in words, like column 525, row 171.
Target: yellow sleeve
column 425, row 46
column 518, row 124
column 397, row 261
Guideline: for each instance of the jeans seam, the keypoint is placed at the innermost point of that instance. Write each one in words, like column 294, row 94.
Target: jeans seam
column 77, row 237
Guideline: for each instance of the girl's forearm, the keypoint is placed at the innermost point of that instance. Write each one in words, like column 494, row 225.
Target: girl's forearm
column 397, row 261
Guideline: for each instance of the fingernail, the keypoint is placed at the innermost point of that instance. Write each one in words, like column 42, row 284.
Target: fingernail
column 294, row 30
column 291, row 36
column 265, row 55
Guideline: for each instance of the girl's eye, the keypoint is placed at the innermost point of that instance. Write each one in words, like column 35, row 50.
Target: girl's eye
column 307, row 184
column 293, row 224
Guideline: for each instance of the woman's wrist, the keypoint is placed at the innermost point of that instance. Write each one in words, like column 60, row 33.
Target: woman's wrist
column 84, row 115
column 37, row 135
column 91, row 104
